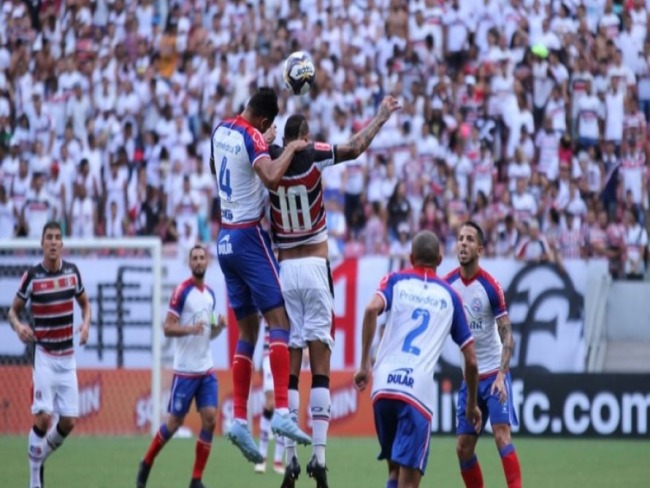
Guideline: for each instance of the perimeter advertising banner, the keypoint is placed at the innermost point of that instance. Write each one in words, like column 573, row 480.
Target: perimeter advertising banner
column 546, row 306
column 118, row 402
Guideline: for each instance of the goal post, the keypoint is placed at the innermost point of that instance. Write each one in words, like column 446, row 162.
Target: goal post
column 17, row 253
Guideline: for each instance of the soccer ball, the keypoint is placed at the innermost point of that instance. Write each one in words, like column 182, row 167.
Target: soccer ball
column 299, row 73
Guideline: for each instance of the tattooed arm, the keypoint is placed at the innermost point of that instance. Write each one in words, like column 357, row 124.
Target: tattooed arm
column 505, row 333
column 362, row 139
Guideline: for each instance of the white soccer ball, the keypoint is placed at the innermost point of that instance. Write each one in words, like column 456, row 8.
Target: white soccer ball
column 299, row 73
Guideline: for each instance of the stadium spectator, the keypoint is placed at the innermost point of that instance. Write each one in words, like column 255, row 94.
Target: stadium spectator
column 143, row 83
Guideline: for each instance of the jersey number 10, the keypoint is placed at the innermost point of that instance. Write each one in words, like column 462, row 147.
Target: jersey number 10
column 289, row 198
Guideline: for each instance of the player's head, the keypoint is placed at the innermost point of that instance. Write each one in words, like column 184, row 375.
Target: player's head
column 470, row 242
column 262, row 109
column 198, row 261
column 296, row 127
column 52, row 241
column 425, row 250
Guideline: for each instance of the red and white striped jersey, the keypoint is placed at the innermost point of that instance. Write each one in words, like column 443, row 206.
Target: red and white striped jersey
column 297, row 206
column 52, row 297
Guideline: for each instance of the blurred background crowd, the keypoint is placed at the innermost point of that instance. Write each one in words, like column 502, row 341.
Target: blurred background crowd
column 528, row 116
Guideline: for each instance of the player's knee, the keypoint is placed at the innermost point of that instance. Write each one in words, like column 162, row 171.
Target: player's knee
column 464, row 448
column 174, row 423
column 66, row 424
column 501, row 435
column 42, row 421
column 209, row 423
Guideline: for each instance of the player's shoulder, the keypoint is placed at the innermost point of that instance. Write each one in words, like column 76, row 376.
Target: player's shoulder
column 487, row 280
column 452, row 276
column 68, row 267
column 185, row 284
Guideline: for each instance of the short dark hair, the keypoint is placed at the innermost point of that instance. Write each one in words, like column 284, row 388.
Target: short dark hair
column 295, row 127
column 480, row 235
column 425, row 249
column 195, row 247
column 51, row 225
column 264, row 103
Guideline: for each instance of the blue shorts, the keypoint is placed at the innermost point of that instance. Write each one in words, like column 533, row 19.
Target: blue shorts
column 403, row 433
column 250, row 269
column 499, row 413
column 203, row 388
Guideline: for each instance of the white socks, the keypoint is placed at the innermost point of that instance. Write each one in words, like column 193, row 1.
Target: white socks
column 36, row 457
column 294, row 406
column 320, row 404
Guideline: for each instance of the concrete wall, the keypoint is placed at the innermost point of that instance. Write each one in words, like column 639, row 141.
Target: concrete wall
column 628, row 312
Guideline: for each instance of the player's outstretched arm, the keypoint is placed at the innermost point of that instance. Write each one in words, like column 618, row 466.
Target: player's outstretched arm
column 374, row 308
column 362, row 139
column 271, row 171
column 86, row 313
column 173, row 328
column 23, row 331
column 473, row 413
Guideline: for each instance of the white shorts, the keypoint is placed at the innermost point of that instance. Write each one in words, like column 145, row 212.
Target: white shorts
column 267, row 376
column 308, row 297
column 56, row 390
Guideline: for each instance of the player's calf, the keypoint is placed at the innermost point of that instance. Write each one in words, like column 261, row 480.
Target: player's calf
column 320, row 406
column 35, row 453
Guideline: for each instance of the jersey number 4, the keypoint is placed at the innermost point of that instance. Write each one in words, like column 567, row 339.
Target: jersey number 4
column 424, row 316
column 224, row 178
column 289, row 198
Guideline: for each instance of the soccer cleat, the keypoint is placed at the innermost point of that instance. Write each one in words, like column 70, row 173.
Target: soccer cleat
column 143, row 475
column 261, row 467
column 278, row 467
column 285, row 426
column 291, row 474
column 318, row 472
column 196, row 483
column 240, row 436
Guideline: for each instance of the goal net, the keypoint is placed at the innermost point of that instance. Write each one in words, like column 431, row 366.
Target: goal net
column 122, row 384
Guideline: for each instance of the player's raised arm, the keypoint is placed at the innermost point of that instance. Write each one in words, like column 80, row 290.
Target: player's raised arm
column 271, row 171
column 362, row 139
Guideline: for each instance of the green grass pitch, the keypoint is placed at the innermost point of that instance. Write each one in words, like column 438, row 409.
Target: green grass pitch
column 110, row 462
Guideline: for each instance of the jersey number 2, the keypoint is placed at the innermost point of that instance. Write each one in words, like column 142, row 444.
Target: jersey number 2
column 418, row 313
column 224, row 178
column 289, row 208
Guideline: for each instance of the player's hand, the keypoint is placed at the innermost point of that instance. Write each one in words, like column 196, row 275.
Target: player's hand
column 197, row 329
column 271, row 132
column 24, row 332
column 388, row 105
column 83, row 330
column 220, row 325
column 499, row 386
column 474, row 417
column 297, row 145
column 361, row 379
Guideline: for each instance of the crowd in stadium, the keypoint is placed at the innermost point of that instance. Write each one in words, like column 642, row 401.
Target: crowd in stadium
column 529, row 116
